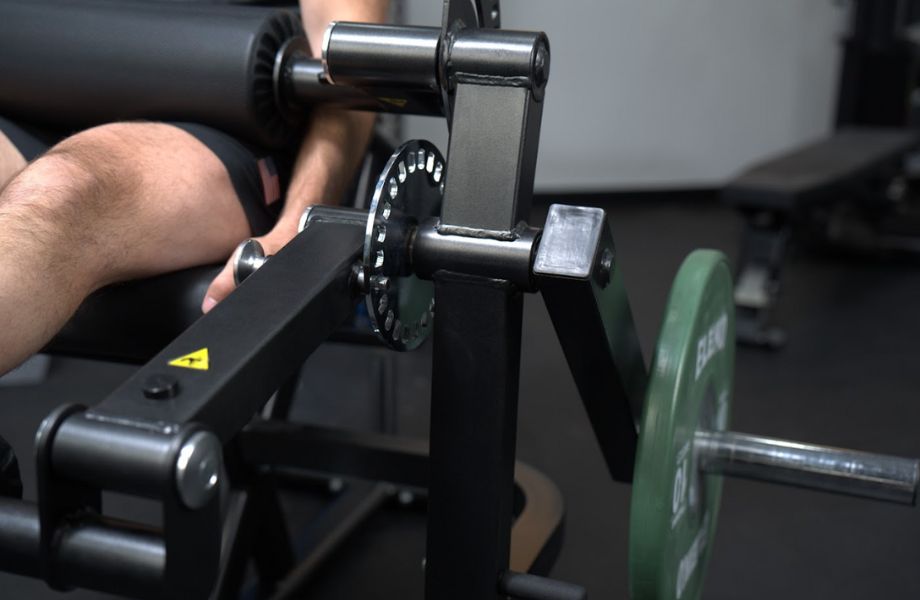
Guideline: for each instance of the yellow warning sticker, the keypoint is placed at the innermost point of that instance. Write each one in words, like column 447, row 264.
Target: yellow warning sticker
column 194, row 360
column 398, row 102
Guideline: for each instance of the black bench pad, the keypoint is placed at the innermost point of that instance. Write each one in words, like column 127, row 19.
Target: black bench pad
column 819, row 170
column 133, row 321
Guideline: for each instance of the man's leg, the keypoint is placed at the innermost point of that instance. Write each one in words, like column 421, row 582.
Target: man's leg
column 112, row 203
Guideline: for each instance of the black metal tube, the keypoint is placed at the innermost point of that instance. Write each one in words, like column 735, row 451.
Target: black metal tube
column 362, row 54
column 107, row 559
column 93, row 555
column 836, row 470
column 256, row 337
column 508, row 259
column 531, row 587
column 308, row 86
column 19, row 531
column 115, row 457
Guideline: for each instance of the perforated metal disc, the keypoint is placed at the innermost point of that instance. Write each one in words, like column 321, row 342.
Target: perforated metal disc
column 674, row 505
column 409, row 190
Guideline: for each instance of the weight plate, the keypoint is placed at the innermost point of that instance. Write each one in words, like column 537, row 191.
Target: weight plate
column 409, row 190
column 674, row 505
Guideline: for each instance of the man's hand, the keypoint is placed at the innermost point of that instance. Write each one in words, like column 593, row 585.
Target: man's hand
column 332, row 149
column 328, row 157
column 223, row 284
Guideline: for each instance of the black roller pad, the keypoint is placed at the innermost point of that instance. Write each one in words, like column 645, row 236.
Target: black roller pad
column 74, row 63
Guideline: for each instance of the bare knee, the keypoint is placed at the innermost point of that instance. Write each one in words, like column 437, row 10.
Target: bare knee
column 74, row 184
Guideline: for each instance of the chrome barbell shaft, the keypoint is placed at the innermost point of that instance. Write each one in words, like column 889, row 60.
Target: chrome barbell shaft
column 836, row 470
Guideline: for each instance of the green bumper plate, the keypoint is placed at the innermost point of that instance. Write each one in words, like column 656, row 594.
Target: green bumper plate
column 674, row 506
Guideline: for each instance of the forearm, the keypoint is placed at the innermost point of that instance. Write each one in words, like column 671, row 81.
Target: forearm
column 329, row 155
column 333, row 146
column 336, row 139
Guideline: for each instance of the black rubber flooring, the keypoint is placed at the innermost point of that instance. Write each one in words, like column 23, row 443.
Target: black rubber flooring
column 849, row 377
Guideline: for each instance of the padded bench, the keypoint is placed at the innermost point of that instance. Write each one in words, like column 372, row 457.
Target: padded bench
column 777, row 194
column 820, row 170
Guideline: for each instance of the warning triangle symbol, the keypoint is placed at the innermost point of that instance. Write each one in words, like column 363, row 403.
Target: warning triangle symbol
column 194, row 360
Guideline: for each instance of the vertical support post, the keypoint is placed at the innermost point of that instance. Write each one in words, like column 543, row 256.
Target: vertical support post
column 477, row 336
column 495, row 89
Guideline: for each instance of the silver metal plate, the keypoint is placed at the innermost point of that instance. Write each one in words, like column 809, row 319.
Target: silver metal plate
column 570, row 241
column 409, row 190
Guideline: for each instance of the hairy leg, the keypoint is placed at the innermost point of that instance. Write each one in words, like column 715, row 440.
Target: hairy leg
column 11, row 160
column 112, row 203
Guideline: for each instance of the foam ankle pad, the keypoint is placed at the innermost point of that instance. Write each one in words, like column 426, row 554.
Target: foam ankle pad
column 76, row 63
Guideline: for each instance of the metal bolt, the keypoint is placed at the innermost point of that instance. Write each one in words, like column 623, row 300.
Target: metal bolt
column 161, row 387
column 604, row 267
column 541, row 66
column 198, row 469
column 247, row 259
column 405, row 497
column 380, row 283
column 358, row 279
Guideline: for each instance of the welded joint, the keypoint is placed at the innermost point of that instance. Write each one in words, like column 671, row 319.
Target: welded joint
column 496, row 58
column 483, row 253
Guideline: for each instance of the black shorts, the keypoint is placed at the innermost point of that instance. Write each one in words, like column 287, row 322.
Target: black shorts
column 259, row 178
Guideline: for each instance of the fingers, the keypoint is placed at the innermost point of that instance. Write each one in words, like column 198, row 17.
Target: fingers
column 223, row 284
column 219, row 289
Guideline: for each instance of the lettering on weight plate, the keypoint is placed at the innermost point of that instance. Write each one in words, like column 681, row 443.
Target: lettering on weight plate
column 711, row 343
column 722, row 411
column 679, row 487
column 691, row 559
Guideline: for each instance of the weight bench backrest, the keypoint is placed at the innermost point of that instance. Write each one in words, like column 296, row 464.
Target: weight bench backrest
column 819, row 171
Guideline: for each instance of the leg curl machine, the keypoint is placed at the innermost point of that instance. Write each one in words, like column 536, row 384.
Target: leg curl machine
column 443, row 252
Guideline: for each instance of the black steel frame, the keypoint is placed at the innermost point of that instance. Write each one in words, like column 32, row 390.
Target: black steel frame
column 151, row 436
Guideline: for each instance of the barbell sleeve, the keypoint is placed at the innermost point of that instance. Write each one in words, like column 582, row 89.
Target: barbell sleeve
column 824, row 468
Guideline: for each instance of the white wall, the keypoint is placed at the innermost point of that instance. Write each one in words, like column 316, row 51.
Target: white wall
column 671, row 93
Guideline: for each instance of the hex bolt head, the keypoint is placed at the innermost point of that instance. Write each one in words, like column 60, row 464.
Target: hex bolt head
column 198, row 469
column 160, row 386
column 605, row 267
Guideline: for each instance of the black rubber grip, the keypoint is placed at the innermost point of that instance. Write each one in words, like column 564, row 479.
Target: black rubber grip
column 75, row 63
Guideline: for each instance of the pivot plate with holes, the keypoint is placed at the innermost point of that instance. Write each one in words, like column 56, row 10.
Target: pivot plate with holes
column 674, row 505
column 409, row 190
